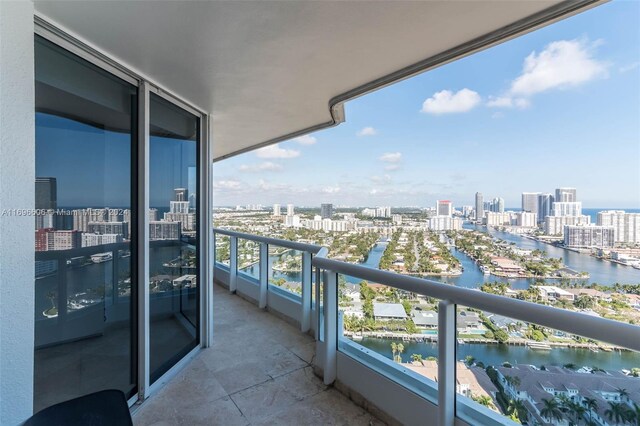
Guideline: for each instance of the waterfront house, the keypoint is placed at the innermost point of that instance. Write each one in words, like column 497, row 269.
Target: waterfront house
column 389, row 311
column 549, row 292
column 425, row 319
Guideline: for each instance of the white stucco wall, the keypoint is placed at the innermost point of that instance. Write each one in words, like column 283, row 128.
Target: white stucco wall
column 17, row 190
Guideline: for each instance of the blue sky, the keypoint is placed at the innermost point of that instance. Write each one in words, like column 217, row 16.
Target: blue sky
column 556, row 107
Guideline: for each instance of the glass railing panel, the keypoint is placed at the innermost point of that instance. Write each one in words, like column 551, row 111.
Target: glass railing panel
column 249, row 258
column 222, row 243
column 286, row 269
column 530, row 374
column 398, row 327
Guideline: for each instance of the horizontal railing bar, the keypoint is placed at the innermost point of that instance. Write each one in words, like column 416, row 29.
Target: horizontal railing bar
column 606, row 330
column 273, row 241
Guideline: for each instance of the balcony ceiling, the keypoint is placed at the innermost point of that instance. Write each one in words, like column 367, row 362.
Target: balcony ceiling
column 266, row 70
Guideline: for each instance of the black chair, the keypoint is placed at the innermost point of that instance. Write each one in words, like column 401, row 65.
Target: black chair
column 104, row 408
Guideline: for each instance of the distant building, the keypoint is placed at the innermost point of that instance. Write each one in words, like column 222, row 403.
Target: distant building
column 396, row 219
column 389, row 311
column 119, row 228
column 479, row 207
column 545, row 203
column 292, row 221
column 566, row 208
column 90, row 240
column 554, row 225
column 526, row 219
column 326, row 211
column 467, row 211
column 276, row 210
column 425, row 319
column 162, row 230
column 498, row 219
column 444, row 208
column 51, row 240
column 46, row 193
column 566, row 195
column 589, row 236
column 552, row 292
column 626, row 225
column 496, row 205
column 444, row 223
column 530, row 202
column 290, row 210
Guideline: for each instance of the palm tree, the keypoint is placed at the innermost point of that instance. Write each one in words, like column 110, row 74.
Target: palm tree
column 394, row 349
column 400, row 349
column 633, row 414
column 417, row 358
column 551, row 409
column 590, row 404
column 577, row 410
column 616, row 412
column 623, row 393
column 517, row 409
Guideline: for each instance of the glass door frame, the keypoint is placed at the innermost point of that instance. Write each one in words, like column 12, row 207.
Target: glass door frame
column 140, row 187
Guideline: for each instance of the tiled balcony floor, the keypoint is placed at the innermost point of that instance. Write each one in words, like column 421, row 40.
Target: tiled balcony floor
column 257, row 372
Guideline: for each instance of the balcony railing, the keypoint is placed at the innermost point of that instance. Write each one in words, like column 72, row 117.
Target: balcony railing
column 326, row 321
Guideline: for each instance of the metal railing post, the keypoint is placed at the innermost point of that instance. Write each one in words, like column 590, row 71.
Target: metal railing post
column 264, row 275
column 330, row 326
column 446, row 363
column 233, row 264
column 305, row 313
column 318, row 305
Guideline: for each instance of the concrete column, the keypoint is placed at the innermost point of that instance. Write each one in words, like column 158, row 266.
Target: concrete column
column 17, row 191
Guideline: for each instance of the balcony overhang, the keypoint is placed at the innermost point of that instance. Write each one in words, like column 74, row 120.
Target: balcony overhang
column 268, row 71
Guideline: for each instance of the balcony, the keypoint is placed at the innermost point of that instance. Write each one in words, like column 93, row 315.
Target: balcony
column 234, row 383
column 400, row 390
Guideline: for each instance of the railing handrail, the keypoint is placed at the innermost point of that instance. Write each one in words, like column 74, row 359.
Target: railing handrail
column 606, row 330
column 312, row 248
column 602, row 329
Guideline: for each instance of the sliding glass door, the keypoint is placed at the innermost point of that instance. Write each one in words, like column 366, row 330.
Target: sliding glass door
column 102, row 320
column 173, row 237
column 84, row 296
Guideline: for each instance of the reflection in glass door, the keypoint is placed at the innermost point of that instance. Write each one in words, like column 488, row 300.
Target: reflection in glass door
column 84, row 295
column 173, row 235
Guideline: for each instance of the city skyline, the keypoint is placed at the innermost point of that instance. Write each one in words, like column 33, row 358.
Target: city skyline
column 489, row 123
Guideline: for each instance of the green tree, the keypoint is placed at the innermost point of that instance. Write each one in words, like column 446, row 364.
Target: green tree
column 616, row 412
column 417, row 358
column 551, row 409
column 501, row 336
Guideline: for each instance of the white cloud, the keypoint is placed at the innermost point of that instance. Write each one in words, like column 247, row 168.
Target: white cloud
column 391, row 167
column 445, row 102
column 305, row 140
column 222, row 185
column 381, row 179
column 391, row 157
column 561, row 64
column 508, row 102
column 331, row 189
column 267, row 166
column 367, row 131
column 274, row 151
column 629, row 67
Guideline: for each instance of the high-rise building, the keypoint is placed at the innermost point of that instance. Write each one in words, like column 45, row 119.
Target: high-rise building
column 163, row 230
column 181, row 194
column 290, row 210
column 326, row 211
column 276, row 209
column 554, row 225
column 530, row 202
column 566, row 208
column 479, row 207
column 566, row 195
column 545, row 203
column 526, row 219
column 498, row 218
column 589, row 236
column 626, row 225
column 82, row 218
column 445, row 223
column 46, row 193
column 496, row 205
column 51, row 240
column 444, row 208
column 119, row 228
column 90, row 240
